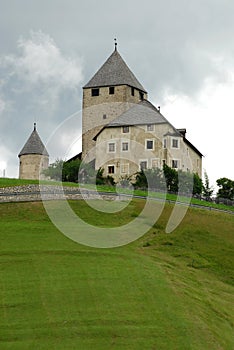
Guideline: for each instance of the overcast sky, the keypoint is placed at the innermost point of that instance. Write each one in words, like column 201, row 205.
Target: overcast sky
column 181, row 51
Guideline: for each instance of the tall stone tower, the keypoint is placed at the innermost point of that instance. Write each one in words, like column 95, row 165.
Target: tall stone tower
column 33, row 157
column 109, row 93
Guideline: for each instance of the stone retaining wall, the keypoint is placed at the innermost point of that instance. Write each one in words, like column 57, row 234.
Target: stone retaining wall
column 30, row 193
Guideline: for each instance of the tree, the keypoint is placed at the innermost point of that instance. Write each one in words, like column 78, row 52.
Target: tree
column 207, row 190
column 55, row 170
column 71, row 170
column 150, row 178
column 197, row 184
column 171, row 176
column 226, row 188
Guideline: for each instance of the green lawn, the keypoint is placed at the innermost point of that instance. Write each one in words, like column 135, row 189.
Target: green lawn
column 164, row 291
column 9, row 182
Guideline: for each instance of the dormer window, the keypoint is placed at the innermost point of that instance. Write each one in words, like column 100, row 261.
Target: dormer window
column 141, row 95
column 95, row 92
column 111, row 90
column 132, row 91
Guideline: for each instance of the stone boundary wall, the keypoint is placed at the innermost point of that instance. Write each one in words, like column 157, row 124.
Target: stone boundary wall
column 30, row 193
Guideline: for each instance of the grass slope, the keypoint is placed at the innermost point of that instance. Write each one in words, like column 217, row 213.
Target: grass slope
column 164, row 291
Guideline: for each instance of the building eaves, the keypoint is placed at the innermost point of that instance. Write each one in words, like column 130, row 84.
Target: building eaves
column 187, row 142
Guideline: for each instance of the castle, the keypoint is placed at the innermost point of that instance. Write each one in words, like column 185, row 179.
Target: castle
column 123, row 132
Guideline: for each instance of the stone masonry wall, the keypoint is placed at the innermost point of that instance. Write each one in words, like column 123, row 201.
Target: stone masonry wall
column 101, row 110
column 31, row 166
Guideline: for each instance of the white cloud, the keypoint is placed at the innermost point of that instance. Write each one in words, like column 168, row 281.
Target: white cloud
column 41, row 61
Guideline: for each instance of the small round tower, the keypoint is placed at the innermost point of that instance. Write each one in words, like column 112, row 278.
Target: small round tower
column 33, row 158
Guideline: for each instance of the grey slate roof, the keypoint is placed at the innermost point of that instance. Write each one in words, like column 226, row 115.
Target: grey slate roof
column 140, row 114
column 146, row 113
column 114, row 72
column 34, row 145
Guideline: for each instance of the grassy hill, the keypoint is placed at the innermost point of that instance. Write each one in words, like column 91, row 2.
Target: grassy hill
column 164, row 291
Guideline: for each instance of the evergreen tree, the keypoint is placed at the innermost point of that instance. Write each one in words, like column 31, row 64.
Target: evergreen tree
column 207, row 189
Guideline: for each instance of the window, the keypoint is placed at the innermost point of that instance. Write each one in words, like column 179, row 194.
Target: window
column 132, row 91
column 164, row 162
column 175, row 143
column 174, row 163
column 150, row 127
column 95, row 92
column 111, row 147
column 111, row 90
column 155, row 163
column 141, row 95
column 125, row 129
column 143, row 165
column 111, row 169
column 124, row 146
column 104, row 116
column 124, row 168
column 149, row 144
column 164, row 143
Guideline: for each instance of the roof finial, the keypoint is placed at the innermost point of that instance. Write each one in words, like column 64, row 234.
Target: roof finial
column 35, row 126
column 115, row 44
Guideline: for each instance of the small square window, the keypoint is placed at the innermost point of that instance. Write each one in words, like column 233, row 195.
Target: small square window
column 174, row 163
column 175, row 143
column 132, row 91
column 149, row 144
column 124, row 168
column 104, row 116
column 150, row 127
column 111, row 90
column 143, row 165
column 125, row 146
column 111, row 147
column 125, row 129
column 95, row 92
column 155, row 163
column 111, row 169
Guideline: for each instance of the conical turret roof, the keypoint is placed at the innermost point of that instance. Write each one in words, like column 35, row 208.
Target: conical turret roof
column 34, row 145
column 114, row 72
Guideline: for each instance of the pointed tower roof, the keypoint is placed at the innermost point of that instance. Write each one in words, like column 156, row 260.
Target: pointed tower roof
column 114, row 72
column 34, row 145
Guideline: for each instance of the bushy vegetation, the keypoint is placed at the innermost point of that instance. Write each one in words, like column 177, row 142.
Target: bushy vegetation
column 166, row 179
column 77, row 171
column 169, row 179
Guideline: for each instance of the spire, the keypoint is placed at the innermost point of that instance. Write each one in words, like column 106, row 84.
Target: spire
column 35, row 127
column 114, row 72
column 115, row 44
column 34, row 145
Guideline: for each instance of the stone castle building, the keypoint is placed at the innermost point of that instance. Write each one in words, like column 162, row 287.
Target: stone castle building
column 123, row 132
column 33, row 157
